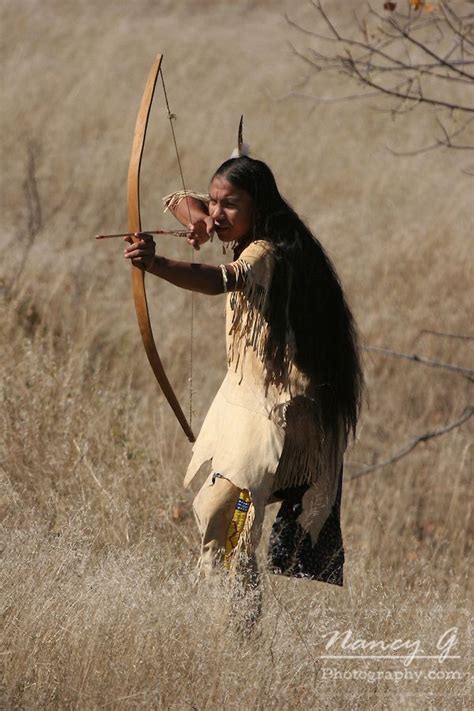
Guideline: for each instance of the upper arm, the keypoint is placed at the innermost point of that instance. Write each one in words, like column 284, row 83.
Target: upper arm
column 173, row 200
column 252, row 270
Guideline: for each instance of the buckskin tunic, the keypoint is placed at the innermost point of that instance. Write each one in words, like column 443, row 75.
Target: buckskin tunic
column 266, row 438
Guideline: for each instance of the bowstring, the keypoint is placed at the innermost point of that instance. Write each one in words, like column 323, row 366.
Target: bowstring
column 171, row 118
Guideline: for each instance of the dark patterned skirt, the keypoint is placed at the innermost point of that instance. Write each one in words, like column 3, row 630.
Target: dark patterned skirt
column 291, row 551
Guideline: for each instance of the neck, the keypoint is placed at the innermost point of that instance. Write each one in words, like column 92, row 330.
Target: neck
column 241, row 245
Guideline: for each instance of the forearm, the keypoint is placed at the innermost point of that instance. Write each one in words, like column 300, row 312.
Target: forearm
column 203, row 278
column 189, row 207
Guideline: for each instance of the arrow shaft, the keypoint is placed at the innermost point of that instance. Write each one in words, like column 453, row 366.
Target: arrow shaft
column 176, row 233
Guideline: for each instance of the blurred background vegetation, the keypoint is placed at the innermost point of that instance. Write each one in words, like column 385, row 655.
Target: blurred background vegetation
column 99, row 543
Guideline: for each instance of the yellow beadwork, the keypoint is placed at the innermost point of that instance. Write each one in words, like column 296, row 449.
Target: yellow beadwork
column 236, row 525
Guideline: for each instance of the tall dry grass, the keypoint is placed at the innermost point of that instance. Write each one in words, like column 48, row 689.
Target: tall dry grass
column 99, row 546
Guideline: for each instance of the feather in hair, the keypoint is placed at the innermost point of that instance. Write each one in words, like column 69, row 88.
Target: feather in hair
column 242, row 148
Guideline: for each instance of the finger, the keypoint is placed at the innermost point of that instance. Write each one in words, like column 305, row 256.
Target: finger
column 194, row 243
column 145, row 248
column 149, row 244
column 144, row 237
column 210, row 229
column 142, row 247
column 134, row 254
column 132, row 239
column 210, row 226
column 133, row 247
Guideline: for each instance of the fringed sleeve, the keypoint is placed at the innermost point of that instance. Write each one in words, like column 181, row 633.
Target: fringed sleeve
column 172, row 200
column 248, row 303
column 254, row 267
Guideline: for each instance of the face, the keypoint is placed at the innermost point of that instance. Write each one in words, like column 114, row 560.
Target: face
column 231, row 209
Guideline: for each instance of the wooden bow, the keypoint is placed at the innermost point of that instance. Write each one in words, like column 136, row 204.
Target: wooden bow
column 134, row 225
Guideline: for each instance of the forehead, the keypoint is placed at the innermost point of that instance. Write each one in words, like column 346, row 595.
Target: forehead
column 221, row 187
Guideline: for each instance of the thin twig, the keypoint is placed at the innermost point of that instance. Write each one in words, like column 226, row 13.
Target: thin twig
column 447, row 12
column 421, row 359
column 292, row 622
column 327, row 99
column 435, row 56
column 447, row 142
column 417, row 98
column 411, row 444
column 460, row 336
column 420, row 68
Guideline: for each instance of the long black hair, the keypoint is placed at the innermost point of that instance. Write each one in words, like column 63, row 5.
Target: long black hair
column 306, row 295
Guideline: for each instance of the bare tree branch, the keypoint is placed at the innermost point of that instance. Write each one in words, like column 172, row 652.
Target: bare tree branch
column 447, row 142
column 397, row 44
column 449, row 16
column 327, row 99
column 460, row 336
column 419, row 68
column 421, row 359
column 409, row 97
column 436, row 57
column 412, row 443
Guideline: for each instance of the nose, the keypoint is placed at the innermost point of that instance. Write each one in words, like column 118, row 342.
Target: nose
column 216, row 211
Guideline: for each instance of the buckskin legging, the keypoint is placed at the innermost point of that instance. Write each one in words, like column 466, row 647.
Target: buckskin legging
column 214, row 507
column 291, row 550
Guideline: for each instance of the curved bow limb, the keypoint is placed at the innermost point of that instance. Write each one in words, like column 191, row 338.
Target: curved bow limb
column 134, row 225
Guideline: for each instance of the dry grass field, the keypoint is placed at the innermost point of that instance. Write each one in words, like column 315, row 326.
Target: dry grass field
column 99, row 609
